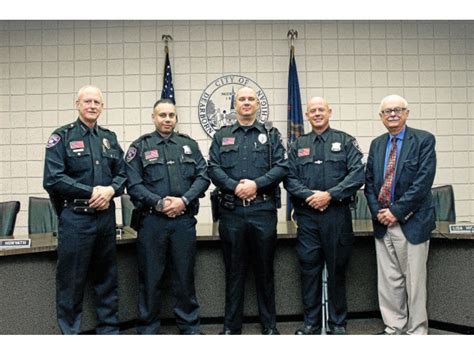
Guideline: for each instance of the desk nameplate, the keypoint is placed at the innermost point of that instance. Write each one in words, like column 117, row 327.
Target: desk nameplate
column 461, row 228
column 15, row 243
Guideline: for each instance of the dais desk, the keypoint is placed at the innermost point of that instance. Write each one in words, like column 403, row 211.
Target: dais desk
column 27, row 302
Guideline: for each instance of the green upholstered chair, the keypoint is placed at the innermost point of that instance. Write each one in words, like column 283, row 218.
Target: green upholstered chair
column 41, row 216
column 127, row 208
column 8, row 213
column 443, row 198
column 361, row 210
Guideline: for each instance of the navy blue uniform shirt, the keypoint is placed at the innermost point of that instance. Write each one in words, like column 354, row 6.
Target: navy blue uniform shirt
column 336, row 168
column 242, row 152
column 78, row 158
column 148, row 173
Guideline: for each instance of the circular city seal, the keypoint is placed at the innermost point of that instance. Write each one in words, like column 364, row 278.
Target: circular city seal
column 217, row 107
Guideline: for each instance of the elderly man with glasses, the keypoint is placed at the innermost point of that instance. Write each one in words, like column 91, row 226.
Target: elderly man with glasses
column 400, row 171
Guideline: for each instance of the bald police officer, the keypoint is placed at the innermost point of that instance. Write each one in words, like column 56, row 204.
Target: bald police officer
column 247, row 162
column 84, row 170
column 167, row 174
column 326, row 170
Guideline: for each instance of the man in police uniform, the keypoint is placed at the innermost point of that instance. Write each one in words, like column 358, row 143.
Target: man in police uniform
column 167, row 174
column 247, row 162
column 326, row 170
column 84, row 170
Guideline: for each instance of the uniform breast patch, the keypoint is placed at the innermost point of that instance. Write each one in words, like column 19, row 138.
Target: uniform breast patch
column 228, row 140
column 53, row 140
column 151, row 155
column 303, row 152
column 76, row 145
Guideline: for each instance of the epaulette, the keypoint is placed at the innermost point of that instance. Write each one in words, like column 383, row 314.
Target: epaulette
column 142, row 137
column 183, row 135
column 103, row 128
column 66, row 127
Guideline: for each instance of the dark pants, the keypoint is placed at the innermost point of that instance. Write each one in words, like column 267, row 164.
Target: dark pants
column 248, row 234
column 86, row 243
column 158, row 236
column 325, row 237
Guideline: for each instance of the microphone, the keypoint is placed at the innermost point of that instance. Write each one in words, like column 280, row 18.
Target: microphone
column 268, row 125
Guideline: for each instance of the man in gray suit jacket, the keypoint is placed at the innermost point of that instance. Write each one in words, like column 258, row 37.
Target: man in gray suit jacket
column 400, row 171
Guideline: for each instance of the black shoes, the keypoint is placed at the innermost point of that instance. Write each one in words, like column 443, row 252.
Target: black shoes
column 192, row 332
column 231, row 332
column 270, row 331
column 307, row 330
column 337, row 330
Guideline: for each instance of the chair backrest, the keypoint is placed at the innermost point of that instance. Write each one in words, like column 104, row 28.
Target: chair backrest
column 8, row 213
column 41, row 216
column 361, row 209
column 127, row 208
column 443, row 198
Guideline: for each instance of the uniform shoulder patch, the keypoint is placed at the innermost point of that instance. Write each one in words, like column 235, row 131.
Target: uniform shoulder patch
column 131, row 153
column 53, row 140
column 356, row 145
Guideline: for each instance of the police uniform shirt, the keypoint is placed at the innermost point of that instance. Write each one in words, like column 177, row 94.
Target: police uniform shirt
column 148, row 160
column 329, row 162
column 79, row 158
column 242, row 152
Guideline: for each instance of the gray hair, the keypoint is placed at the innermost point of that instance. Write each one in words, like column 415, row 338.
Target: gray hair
column 389, row 97
column 85, row 87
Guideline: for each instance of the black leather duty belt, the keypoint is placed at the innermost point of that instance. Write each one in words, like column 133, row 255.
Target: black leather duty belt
column 80, row 206
column 245, row 203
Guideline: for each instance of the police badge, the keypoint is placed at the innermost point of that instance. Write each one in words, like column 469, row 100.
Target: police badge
column 336, row 147
column 262, row 138
column 106, row 143
column 187, row 150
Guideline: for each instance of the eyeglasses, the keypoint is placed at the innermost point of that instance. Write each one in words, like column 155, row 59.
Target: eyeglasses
column 396, row 110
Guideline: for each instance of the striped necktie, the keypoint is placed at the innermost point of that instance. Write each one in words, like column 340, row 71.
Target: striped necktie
column 385, row 194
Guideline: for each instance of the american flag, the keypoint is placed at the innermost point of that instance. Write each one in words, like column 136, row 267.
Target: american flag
column 303, row 152
column 228, row 140
column 151, row 154
column 168, row 90
column 76, row 144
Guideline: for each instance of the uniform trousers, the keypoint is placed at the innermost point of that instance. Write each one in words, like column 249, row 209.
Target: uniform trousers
column 324, row 237
column 249, row 235
column 401, row 269
column 160, row 238
column 86, row 244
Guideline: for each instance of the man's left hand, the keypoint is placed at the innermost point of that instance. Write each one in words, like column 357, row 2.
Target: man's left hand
column 175, row 208
column 246, row 190
column 101, row 196
column 319, row 200
column 386, row 217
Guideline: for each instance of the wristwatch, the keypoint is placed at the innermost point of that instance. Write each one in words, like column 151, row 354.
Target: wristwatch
column 159, row 205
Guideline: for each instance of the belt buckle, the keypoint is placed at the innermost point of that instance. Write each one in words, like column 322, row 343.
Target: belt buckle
column 245, row 203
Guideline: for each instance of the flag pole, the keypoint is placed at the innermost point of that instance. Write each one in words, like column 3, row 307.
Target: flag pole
column 295, row 115
column 168, row 90
column 166, row 38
